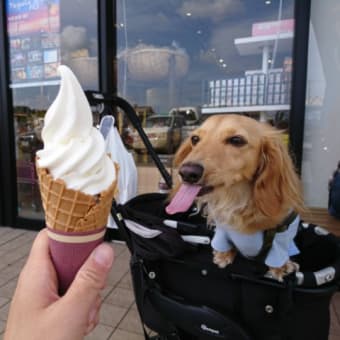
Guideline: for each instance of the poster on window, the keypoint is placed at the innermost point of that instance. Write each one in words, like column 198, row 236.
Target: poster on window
column 34, row 39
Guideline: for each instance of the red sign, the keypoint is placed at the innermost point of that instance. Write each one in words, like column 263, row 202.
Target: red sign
column 272, row 27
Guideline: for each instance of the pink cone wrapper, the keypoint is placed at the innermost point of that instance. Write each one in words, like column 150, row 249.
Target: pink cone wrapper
column 70, row 250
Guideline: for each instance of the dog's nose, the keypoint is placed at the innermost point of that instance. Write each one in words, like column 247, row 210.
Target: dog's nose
column 191, row 172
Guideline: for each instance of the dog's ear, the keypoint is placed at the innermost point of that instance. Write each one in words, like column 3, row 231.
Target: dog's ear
column 276, row 184
column 182, row 152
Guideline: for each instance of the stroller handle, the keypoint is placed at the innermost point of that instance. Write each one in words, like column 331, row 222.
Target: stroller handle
column 99, row 98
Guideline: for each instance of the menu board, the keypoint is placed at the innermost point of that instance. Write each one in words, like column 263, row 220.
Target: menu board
column 34, row 39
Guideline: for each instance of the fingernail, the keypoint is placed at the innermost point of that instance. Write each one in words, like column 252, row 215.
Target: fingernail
column 103, row 255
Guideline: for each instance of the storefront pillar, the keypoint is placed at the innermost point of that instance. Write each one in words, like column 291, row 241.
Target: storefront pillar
column 7, row 151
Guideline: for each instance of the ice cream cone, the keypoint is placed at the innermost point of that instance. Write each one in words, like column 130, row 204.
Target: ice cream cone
column 76, row 223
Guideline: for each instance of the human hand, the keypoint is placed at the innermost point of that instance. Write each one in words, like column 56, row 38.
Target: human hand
column 38, row 312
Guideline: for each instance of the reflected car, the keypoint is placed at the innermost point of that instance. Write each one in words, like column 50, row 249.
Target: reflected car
column 29, row 143
column 164, row 133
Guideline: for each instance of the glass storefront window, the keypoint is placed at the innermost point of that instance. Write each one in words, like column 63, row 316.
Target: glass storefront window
column 197, row 58
column 321, row 137
column 42, row 35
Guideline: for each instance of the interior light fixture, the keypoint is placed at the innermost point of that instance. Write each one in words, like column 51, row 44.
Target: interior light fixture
column 188, row 14
column 221, row 60
column 268, row 2
column 224, row 65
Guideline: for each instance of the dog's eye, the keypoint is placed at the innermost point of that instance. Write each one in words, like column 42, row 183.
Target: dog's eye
column 194, row 139
column 236, row 141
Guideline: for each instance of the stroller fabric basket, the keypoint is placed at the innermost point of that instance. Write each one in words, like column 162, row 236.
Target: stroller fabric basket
column 181, row 294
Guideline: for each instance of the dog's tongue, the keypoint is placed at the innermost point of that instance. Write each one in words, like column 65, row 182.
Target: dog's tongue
column 183, row 199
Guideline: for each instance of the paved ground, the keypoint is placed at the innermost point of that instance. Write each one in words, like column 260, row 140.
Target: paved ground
column 119, row 318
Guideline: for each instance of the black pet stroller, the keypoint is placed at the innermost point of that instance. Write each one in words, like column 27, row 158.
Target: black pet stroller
column 181, row 294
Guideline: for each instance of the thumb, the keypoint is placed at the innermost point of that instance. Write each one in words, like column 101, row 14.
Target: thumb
column 91, row 278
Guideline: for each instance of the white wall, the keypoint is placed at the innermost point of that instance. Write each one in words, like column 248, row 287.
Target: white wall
column 321, row 149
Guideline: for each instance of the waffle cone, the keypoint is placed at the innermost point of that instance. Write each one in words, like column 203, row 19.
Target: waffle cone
column 70, row 210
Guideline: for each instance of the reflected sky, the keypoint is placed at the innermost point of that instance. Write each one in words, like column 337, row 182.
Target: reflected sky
column 207, row 34
column 204, row 29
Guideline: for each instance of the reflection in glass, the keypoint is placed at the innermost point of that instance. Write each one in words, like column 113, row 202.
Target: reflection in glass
column 207, row 57
column 158, row 121
column 42, row 35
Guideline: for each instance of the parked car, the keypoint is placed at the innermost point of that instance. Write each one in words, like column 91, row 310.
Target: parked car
column 29, row 143
column 191, row 114
column 163, row 131
column 192, row 118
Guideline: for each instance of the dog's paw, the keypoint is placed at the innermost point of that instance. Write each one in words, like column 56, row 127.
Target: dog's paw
column 223, row 259
column 279, row 273
column 292, row 267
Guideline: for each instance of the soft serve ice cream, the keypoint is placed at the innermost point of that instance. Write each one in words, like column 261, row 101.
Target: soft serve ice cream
column 74, row 150
column 77, row 180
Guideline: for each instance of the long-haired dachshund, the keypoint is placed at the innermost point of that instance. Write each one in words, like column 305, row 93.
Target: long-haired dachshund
column 240, row 171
